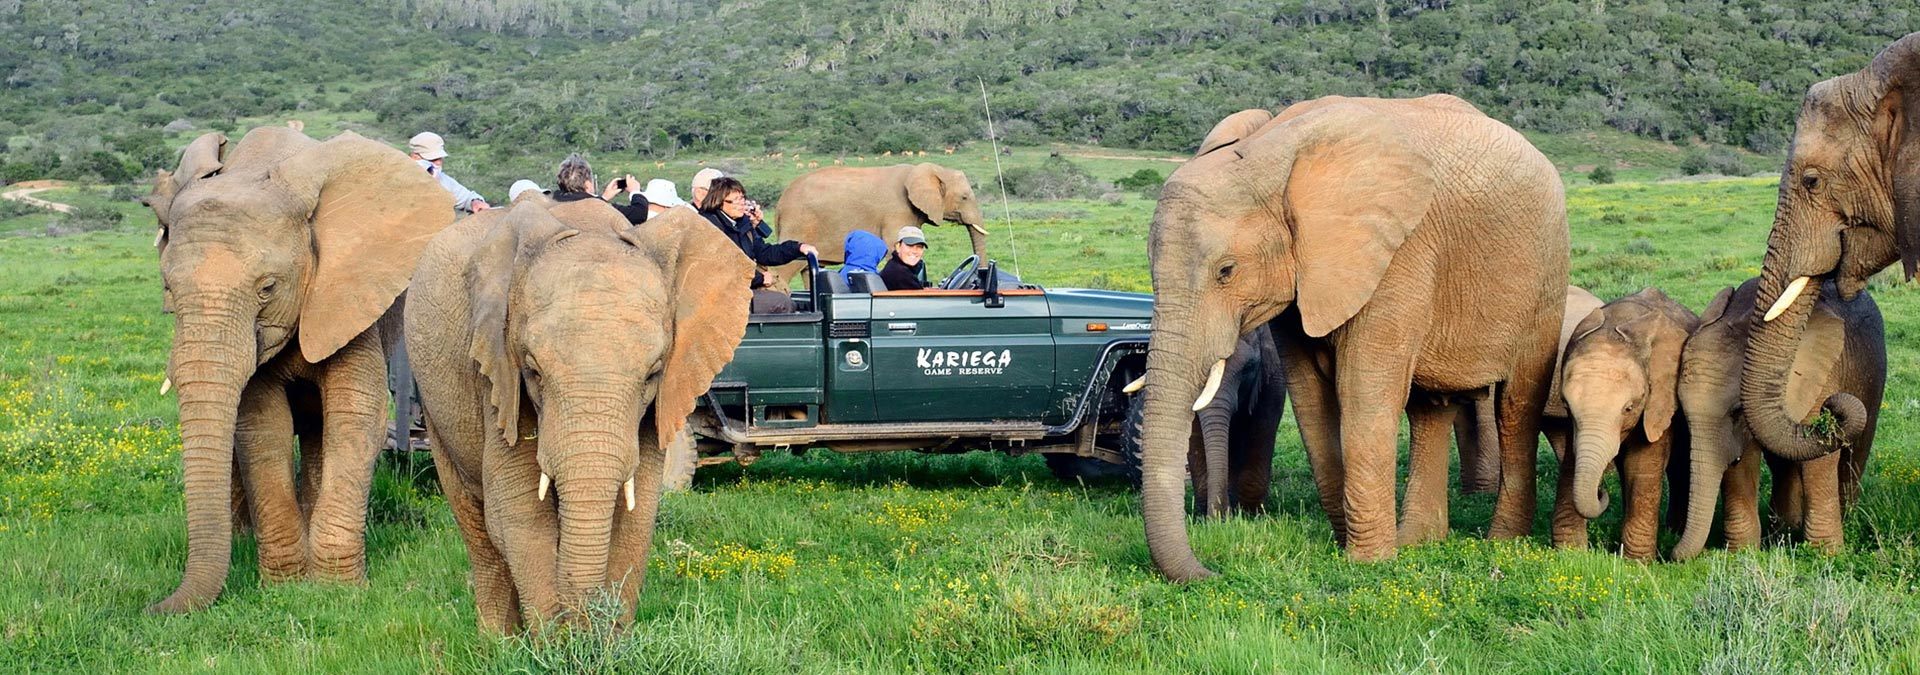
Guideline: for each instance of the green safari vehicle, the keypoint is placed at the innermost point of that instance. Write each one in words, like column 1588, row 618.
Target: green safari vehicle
column 978, row 361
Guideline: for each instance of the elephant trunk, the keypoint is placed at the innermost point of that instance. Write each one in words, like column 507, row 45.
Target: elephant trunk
column 978, row 237
column 1216, row 425
column 592, row 464
column 213, row 356
column 1594, row 447
column 1771, row 347
column 1174, row 366
column 1711, row 446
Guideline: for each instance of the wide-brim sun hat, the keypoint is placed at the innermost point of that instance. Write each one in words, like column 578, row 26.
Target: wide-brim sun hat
column 660, row 191
column 428, row 145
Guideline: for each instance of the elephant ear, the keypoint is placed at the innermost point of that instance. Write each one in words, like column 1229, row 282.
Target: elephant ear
column 372, row 211
column 1717, row 308
column 1233, row 128
column 200, row 159
column 1356, row 191
column 1663, row 373
column 1897, row 121
column 709, row 298
column 490, row 277
column 1809, row 383
column 1556, row 400
column 926, row 192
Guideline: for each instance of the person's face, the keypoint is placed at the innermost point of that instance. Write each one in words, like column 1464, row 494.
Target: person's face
column 699, row 194
column 653, row 208
column 910, row 253
column 734, row 205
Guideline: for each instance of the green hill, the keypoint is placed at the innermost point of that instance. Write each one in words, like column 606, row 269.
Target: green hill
column 90, row 85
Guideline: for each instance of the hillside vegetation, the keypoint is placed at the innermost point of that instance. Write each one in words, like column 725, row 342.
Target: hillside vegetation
column 106, row 89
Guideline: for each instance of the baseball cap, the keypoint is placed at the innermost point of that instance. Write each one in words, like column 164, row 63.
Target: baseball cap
column 521, row 187
column 427, row 145
column 660, row 191
column 911, row 236
column 704, row 178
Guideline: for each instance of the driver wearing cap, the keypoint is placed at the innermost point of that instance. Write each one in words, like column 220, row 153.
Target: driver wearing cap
column 906, row 268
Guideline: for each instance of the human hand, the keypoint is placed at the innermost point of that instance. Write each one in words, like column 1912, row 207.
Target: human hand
column 478, row 205
column 808, row 249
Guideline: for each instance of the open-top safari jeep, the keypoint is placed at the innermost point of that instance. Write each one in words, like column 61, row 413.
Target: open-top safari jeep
column 979, row 362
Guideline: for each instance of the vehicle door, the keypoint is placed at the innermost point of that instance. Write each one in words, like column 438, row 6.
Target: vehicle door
column 942, row 355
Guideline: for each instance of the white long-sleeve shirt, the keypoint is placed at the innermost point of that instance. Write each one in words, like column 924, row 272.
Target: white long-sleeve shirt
column 463, row 198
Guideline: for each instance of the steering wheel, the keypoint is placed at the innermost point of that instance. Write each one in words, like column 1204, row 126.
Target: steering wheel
column 963, row 276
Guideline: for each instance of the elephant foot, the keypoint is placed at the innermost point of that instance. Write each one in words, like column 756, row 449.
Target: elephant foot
column 176, row 604
column 281, row 572
column 1570, row 540
column 339, row 572
column 1371, row 553
column 1415, row 532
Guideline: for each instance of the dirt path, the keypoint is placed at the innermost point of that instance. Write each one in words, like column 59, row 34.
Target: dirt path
column 24, row 191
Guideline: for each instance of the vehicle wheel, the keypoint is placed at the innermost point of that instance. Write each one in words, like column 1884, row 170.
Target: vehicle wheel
column 1130, row 445
column 1072, row 468
column 683, row 457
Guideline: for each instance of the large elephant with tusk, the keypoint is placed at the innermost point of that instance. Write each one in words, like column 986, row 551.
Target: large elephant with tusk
column 1400, row 244
column 821, row 207
column 559, row 351
column 1849, row 206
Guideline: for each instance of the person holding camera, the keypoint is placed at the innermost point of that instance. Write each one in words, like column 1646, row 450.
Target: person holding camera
column 727, row 207
column 575, row 182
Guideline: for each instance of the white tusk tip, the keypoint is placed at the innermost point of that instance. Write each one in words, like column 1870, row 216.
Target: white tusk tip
column 1786, row 299
column 166, row 384
column 627, row 489
column 545, row 482
column 1135, row 386
column 1213, row 385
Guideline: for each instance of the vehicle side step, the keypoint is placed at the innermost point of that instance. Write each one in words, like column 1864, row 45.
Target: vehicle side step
column 999, row 431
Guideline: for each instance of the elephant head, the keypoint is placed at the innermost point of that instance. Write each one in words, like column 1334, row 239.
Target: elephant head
column 1711, row 388
column 282, row 241
column 941, row 194
column 596, row 339
column 1849, row 206
column 1304, row 212
column 1619, row 378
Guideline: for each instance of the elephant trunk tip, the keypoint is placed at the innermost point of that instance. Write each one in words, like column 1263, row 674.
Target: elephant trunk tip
column 1591, row 504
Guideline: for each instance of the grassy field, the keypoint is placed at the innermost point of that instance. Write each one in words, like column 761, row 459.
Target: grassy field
column 904, row 562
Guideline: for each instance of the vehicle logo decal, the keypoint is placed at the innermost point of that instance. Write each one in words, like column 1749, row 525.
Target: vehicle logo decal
column 1132, row 326
column 975, row 362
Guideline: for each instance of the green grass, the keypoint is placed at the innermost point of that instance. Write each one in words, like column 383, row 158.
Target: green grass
column 904, row 562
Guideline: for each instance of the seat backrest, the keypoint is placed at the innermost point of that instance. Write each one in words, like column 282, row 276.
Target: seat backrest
column 829, row 281
column 866, row 282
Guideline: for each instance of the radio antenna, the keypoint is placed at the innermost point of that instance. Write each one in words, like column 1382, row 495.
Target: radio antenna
column 1006, row 212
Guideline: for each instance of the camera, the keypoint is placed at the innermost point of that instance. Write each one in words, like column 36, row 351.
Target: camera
column 620, row 183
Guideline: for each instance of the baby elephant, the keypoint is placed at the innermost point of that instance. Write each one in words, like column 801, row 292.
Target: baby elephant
column 1618, row 381
column 1842, row 356
column 1237, row 431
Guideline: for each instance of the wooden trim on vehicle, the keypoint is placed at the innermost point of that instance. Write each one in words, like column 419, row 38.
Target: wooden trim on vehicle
column 943, row 293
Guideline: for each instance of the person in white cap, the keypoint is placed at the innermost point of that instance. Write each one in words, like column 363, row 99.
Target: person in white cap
column 430, row 151
column 661, row 196
column 521, row 187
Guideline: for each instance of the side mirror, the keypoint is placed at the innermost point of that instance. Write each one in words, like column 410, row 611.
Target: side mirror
column 990, row 287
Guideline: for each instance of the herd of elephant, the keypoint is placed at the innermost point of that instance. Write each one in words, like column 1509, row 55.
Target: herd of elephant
column 1359, row 257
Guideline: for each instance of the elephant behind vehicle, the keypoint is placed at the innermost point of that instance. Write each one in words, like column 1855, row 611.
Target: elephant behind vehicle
column 277, row 258
column 822, row 206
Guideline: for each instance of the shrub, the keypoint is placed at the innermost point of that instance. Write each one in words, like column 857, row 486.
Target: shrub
column 1712, row 160
column 91, row 219
column 124, row 193
column 1601, row 175
column 1056, row 178
column 1147, row 182
column 14, row 209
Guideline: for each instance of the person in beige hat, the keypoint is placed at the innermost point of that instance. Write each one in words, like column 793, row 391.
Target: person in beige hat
column 906, row 268
column 430, row 151
column 702, row 180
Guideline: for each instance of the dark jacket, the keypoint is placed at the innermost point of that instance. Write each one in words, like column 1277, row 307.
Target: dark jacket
column 903, row 277
column 746, row 236
column 635, row 210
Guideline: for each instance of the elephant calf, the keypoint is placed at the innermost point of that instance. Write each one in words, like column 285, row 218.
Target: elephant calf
column 1618, row 384
column 558, row 352
column 1840, row 362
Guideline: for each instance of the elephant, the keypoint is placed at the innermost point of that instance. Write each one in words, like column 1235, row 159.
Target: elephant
column 1618, row 386
column 1849, row 206
column 822, row 206
column 277, row 258
column 559, row 350
column 1843, row 350
column 1400, row 243
column 1237, row 431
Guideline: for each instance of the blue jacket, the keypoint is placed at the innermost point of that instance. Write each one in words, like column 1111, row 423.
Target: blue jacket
column 864, row 251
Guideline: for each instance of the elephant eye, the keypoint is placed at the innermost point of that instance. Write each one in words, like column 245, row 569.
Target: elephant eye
column 1811, row 181
column 267, row 287
column 1226, row 273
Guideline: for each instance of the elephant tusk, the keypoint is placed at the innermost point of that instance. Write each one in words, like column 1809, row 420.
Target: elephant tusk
column 165, row 385
column 157, row 235
column 977, row 228
column 627, row 489
column 1213, row 385
column 545, row 481
column 1136, row 385
column 1786, row 299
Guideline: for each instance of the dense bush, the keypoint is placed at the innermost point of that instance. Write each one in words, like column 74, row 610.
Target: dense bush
column 88, row 218
column 1056, row 178
column 1601, row 175
column 1713, row 160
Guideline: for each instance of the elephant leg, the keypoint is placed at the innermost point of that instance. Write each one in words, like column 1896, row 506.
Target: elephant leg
column 242, row 519
column 1316, row 412
column 1474, row 431
column 493, row 596
column 1373, row 380
column 1853, row 467
column 1425, row 516
column 1205, row 504
column 263, row 450
column 1820, row 480
column 1569, row 527
column 1789, row 497
column 1643, row 468
column 307, row 426
column 353, row 396
column 1250, row 461
column 524, row 528
column 633, row 530
column 1520, row 401
column 1740, row 491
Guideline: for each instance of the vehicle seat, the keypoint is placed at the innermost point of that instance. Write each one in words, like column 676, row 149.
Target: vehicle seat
column 866, row 282
column 829, row 281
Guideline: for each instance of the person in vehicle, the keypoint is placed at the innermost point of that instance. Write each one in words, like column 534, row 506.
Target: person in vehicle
column 864, row 251
column 575, row 182
column 725, row 206
column 661, row 195
column 907, row 267
column 430, row 151
column 522, row 187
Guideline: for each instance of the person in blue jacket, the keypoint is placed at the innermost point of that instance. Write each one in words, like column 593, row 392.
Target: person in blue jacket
column 864, row 251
